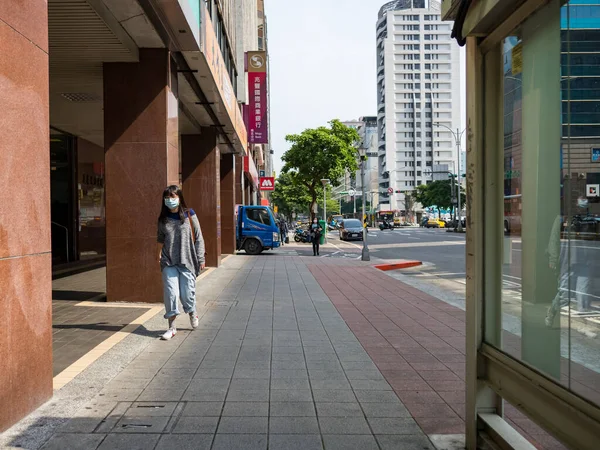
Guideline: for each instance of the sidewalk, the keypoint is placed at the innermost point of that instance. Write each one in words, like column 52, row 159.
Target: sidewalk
column 291, row 353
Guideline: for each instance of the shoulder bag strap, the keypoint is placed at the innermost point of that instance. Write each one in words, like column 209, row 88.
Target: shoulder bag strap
column 189, row 216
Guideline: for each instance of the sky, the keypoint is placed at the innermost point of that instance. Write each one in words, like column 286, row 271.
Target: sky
column 323, row 64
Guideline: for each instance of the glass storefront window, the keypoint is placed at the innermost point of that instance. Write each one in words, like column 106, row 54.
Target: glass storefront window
column 550, row 259
column 92, row 216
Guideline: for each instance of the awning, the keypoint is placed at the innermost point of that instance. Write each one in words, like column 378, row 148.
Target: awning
column 250, row 169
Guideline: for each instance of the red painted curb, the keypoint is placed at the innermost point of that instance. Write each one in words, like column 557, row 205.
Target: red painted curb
column 397, row 266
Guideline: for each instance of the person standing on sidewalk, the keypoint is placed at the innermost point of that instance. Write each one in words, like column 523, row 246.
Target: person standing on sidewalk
column 283, row 228
column 181, row 254
column 315, row 234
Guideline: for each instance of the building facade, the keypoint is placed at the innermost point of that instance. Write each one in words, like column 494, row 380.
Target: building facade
column 104, row 104
column 418, row 91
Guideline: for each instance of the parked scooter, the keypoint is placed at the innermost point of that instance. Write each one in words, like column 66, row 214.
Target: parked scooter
column 385, row 225
column 301, row 235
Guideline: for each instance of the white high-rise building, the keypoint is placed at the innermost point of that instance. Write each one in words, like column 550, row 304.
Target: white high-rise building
column 418, row 84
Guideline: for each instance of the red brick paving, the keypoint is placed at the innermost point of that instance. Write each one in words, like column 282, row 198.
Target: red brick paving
column 418, row 343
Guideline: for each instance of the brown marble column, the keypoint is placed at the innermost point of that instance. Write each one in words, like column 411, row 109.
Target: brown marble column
column 228, row 204
column 239, row 173
column 25, row 248
column 201, row 174
column 142, row 158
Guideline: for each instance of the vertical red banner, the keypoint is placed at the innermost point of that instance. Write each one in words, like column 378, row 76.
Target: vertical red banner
column 258, row 127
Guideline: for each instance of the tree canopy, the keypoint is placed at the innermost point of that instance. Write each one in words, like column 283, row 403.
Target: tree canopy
column 437, row 194
column 321, row 153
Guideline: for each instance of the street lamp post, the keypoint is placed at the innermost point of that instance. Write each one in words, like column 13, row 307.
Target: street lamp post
column 325, row 182
column 458, row 137
column 362, row 151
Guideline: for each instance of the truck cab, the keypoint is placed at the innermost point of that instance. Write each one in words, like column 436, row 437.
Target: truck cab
column 256, row 229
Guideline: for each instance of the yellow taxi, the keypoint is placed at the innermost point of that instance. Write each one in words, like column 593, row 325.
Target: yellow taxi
column 435, row 223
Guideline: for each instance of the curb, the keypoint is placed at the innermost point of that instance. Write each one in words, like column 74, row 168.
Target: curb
column 397, row 266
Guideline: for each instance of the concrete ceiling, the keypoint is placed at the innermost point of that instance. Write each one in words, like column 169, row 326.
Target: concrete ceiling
column 83, row 34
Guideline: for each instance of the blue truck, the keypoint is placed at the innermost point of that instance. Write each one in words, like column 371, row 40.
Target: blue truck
column 256, row 229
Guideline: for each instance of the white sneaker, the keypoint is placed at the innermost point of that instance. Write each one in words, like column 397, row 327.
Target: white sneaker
column 169, row 334
column 194, row 321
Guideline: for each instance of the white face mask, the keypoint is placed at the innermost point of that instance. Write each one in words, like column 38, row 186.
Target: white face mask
column 171, row 203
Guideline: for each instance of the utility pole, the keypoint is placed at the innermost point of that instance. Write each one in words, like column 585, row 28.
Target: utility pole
column 363, row 161
column 458, row 137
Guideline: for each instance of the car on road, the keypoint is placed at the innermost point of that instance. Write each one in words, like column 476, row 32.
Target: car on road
column 351, row 229
column 435, row 223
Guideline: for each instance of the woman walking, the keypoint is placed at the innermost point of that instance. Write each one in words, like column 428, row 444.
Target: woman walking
column 315, row 234
column 181, row 250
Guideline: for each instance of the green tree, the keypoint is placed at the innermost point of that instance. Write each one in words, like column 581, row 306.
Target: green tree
column 437, row 194
column 321, row 153
column 289, row 195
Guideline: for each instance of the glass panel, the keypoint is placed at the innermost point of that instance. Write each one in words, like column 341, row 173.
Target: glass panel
column 92, row 216
column 550, row 263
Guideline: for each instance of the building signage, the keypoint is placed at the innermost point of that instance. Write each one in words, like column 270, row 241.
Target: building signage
column 592, row 190
column 596, row 155
column 250, row 169
column 262, row 173
column 258, row 132
column 267, row 184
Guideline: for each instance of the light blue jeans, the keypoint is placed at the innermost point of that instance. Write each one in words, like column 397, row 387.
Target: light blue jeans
column 178, row 282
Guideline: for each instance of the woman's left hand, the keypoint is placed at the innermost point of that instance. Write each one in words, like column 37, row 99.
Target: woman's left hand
column 202, row 266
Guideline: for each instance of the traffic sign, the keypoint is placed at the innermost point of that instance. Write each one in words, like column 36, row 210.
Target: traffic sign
column 351, row 192
column 390, row 190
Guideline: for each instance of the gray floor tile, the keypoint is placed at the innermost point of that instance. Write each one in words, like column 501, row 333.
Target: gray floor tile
column 330, row 384
column 162, row 395
column 293, row 425
column 261, row 374
column 203, row 396
column 243, row 425
column 295, row 442
column 203, row 409
column 288, row 365
column 196, row 425
column 124, row 441
column 214, row 373
column 246, row 409
column 240, row 442
column 370, row 385
column 292, row 409
column 376, row 396
column 339, row 410
column 296, row 395
column 394, row 426
column 344, row 425
column 120, row 395
column 248, row 384
column 364, row 375
column 289, row 383
column 141, row 424
column 385, row 410
column 356, row 442
column 185, row 442
column 288, row 373
column 334, row 395
column 404, row 442
column 254, row 395
column 62, row 441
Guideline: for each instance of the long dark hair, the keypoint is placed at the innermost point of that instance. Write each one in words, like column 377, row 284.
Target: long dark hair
column 164, row 211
